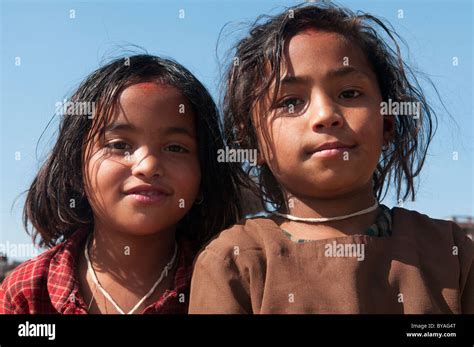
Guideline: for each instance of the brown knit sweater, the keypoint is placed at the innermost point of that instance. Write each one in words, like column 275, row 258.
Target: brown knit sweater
column 426, row 266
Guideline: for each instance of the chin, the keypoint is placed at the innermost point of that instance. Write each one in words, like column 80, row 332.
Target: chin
column 141, row 230
column 145, row 225
column 330, row 187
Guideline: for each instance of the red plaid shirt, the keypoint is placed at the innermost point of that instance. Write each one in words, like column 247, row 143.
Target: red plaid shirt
column 48, row 284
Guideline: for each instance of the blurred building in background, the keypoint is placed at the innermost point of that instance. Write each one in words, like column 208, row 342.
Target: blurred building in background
column 466, row 223
column 6, row 266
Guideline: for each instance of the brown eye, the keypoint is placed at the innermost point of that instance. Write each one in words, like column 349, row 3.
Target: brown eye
column 290, row 103
column 350, row 94
column 118, row 145
column 177, row 149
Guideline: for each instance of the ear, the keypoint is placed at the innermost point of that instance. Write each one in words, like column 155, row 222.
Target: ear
column 388, row 128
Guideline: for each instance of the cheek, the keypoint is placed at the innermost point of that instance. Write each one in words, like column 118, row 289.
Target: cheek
column 186, row 177
column 283, row 136
column 370, row 138
column 369, row 130
column 104, row 175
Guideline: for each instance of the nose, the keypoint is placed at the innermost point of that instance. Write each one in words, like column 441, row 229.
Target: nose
column 324, row 113
column 148, row 166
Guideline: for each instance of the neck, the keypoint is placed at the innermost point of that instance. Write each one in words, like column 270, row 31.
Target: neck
column 137, row 259
column 309, row 207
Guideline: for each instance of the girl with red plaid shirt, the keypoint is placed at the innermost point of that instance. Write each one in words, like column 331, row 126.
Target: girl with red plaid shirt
column 130, row 191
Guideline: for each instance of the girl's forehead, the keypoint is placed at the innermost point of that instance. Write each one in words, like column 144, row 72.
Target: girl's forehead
column 313, row 50
column 318, row 37
column 321, row 45
column 146, row 106
column 149, row 86
column 146, row 85
column 150, row 104
column 151, row 94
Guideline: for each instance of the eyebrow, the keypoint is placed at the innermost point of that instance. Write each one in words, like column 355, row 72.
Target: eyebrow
column 295, row 80
column 179, row 130
column 333, row 73
column 120, row 126
column 168, row 131
column 346, row 70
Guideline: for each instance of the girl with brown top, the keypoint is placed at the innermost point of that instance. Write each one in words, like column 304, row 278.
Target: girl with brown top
column 309, row 89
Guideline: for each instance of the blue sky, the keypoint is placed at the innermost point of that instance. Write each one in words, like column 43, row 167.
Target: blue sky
column 57, row 52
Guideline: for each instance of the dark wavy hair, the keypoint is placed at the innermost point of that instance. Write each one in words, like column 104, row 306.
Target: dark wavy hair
column 47, row 215
column 257, row 63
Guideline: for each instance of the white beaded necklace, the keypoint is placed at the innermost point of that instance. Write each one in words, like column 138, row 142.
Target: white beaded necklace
column 329, row 219
column 91, row 271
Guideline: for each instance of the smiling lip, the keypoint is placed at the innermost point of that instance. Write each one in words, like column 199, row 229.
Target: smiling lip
column 147, row 194
column 330, row 149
